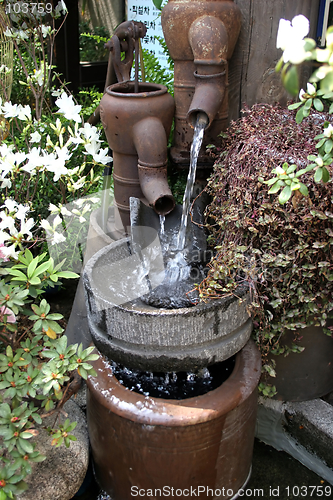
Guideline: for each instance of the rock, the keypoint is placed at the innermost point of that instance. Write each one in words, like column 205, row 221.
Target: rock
column 60, row 476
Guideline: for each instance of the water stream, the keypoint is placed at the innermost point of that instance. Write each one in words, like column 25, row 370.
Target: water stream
column 199, row 129
column 177, row 267
column 179, row 278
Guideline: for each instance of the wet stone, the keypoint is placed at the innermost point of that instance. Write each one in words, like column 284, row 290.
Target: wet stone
column 174, row 295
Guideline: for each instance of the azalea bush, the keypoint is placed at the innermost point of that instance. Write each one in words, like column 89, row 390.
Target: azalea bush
column 47, row 152
column 298, row 48
column 39, row 372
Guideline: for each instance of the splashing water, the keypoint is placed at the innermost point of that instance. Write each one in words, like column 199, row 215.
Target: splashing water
column 177, row 268
column 199, row 129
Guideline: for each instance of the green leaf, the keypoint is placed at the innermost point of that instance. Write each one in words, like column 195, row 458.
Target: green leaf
column 317, row 103
column 295, row 186
column 26, row 445
column 325, row 175
column 291, row 169
column 26, row 435
column 42, row 268
column 5, row 410
column 158, row 4
column 303, row 189
column 67, row 274
column 328, row 146
column 285, row 195
column 18, row 274
column 34, row 281
column 318, row 174
column 299, row 115
column 274, row 189
column 320, row 143
column 290, row 81
column 31, row 267
column 295, row 105
column 3, row 495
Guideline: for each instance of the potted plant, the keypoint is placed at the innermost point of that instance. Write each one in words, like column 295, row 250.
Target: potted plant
column 282, row 250
column 281, row 244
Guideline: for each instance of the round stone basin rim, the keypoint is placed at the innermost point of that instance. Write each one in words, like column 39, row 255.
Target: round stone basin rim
column 126, row 90
column 137, row 306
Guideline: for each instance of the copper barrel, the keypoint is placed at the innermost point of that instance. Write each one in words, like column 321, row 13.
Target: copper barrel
column 137, row 126
column 201, row 36
column 141, row 445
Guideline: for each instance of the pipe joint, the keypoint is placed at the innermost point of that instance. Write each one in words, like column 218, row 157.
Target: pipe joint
column 150, row 140
column 208, row 97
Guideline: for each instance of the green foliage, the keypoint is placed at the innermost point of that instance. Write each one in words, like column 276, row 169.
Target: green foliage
column 158, row 4
column 89, row 100
column 92, row 41
column 36, row 273
column 155, row 73
column 283, row 252
column 38, row 370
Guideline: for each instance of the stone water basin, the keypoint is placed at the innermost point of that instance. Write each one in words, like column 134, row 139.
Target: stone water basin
column 127, row 330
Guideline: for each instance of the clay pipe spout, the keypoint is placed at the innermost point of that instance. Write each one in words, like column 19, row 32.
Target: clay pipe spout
column 208, row 39
column 150, row 141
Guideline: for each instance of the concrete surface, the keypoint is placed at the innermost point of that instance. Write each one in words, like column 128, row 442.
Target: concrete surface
column 303, row 430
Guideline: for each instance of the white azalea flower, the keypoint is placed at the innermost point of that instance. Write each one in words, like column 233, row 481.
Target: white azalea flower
column 310, row 90
column 64, row 211
column 22, row 211
column 102, row 156
column 45, row 225
column 35, row 137
column 24, row 112
column 7, row 222
column 57, row 221
column 56, row 164
column 328, row 131
column 57, row 238
column 280, row 170
column 5, row 183
column 290, row 39
column 90, row 132
column 92, row 148
column 61, row 8
column 10, row 252
column 10, row 204
column 10, row 110
column 26, row 225
column 34, row 160
column 46, row 30
column 3, row 237
column 68, row 108
column 5, row 149
column 79, row 183
column 53, row 209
